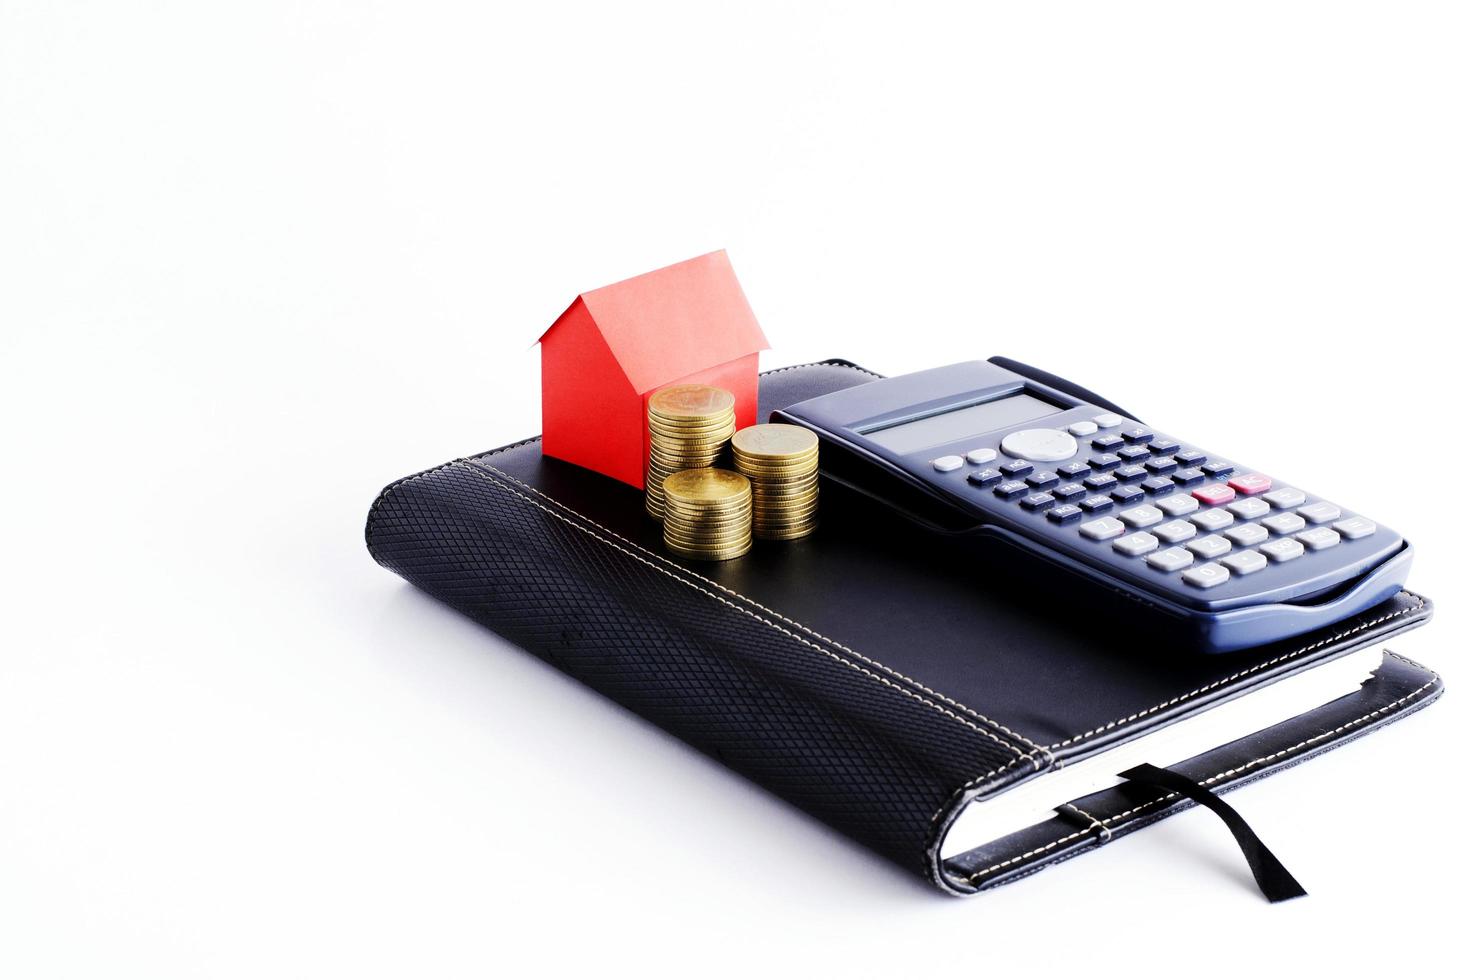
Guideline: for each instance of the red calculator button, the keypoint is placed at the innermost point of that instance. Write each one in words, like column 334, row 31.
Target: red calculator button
column 1250, row 483
column 1214, row 494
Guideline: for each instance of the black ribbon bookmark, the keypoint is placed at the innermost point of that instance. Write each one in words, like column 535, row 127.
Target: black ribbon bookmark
column 1274, row 880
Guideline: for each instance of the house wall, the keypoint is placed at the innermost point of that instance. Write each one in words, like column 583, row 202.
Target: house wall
column 588, row 408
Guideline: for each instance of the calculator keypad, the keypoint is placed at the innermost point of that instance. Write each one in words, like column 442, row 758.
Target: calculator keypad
column 1171, row 507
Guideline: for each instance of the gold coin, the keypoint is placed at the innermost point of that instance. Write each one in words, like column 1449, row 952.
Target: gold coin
column 762, row 488
column 739, row 445
column 773, row 440
column 709, row 555
column 703, row 486
column 690, row 402
column 784, row 535
column 749, row 468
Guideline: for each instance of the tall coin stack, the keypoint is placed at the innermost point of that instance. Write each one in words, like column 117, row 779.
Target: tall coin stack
column 782, row 461
column 708, row 514
column 689, row 426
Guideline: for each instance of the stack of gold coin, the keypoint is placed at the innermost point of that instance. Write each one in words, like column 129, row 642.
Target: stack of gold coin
column 782, row 461
column 708, row 514
column 689, row 426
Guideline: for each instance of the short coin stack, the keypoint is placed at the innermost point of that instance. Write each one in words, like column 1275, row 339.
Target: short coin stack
column 689, row 426
column 708, row 514
column 782, row 461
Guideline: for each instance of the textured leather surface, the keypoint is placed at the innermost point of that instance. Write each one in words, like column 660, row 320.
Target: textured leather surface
column 869, row 674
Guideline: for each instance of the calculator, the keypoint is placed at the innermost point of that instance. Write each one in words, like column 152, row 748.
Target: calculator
column 1230, row 554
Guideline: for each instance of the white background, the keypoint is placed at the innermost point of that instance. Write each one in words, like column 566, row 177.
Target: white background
column 259, row 259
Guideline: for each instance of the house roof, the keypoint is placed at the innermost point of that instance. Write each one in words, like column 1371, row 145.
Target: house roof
column 674, row 321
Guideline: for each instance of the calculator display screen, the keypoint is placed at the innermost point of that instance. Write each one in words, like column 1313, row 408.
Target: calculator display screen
column 961, row 423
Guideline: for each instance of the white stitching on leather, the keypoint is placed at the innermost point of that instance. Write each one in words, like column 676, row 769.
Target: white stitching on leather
column 1218, row 777
column 1242, row 673
column 772, row 612
column 480, row 470
column 1103, row 832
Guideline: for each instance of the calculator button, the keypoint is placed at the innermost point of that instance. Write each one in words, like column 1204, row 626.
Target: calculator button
column 1249, row 508
column 1037, row 502
column 1064, row 514
column 1138, row 543
column 1072, row 471
column 1158, row 486
column 1212, row 520
column 1133, row 454
column 1218, row 467
column 1097, row 503
column 1041, row 445
column 1188, row 477
column 1127, row 495
column 1318, row 538
column 1142, row 516
column 947, row 464
column 1137, row 435
column 1180, row 503
column 1103, row 461
column 1082, row 428
column 985, row 478
column 1107, row 420
column 978, row 457
column 1319, row 512
column 1285, row 497
column 1164, row 446
column 1106, row 443
column 1284, row 523
column 1016, row 467
column 1100, row 481
column 1011, row 490
column 1216, row 493
column 1070, row 492
column 1170, row 559
column 1250, row 483
column 1102, row 529
column 1247, row 535
column 1355, row 527
column 1191, row 457
column 1211, row 546
column 1129, row 473
column 1283, row 549
column 1161, row 464
column 1175, row 531
column 1246, row 562
column 1206, row 576
column 1044, row 478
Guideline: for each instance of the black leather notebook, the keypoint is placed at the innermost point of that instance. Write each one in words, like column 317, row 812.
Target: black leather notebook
column 869, row 674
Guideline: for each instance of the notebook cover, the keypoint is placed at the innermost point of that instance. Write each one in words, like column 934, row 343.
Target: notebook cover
column 872, row 677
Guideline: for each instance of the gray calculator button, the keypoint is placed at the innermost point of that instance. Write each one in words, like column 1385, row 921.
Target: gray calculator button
column 1039, row 445
column 1175, row 531
column 1082, row 428
column 1142, row 516
column 1246, row 562
column 1210, row 546
column 947, row 464
column 1285, row 497
column 1355, row 527
column 1107, row 420
column 1248, row 508
column 1247, row 535
column 1319, row 512
column 980, row 456
column 1206, row 576
column 1170, row 559
column 1177, row 504
column 1318, row 538
column 1102, row 529
column 1212, row 520
column 1284, row 523
column 1138, row 543
column 1283, row 549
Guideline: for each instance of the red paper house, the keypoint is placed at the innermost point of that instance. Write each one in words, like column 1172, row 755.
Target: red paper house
column 613, row 347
